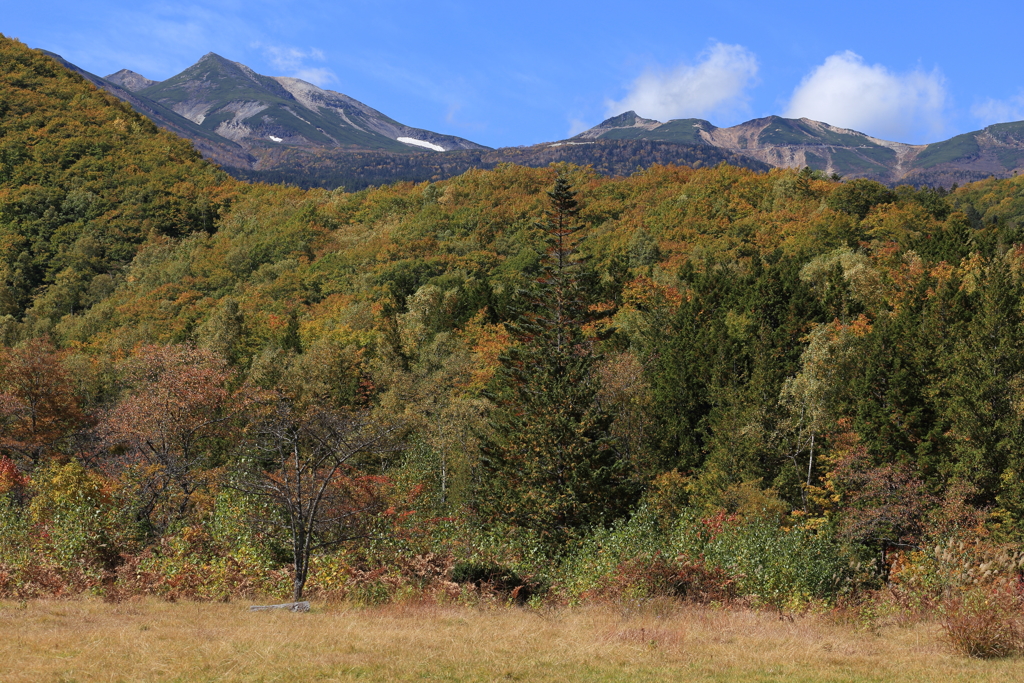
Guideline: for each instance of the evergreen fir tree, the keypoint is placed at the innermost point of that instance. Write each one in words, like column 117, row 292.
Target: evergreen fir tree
column 551, row 465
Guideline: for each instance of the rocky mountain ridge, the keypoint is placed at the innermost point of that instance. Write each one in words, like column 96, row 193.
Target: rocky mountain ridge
column 237, row 117
column 288, row 130
column 997, row 150
column 213, row 147
column 231, row 100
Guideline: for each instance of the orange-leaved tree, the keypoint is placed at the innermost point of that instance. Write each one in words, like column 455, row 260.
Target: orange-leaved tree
column 170, row 427
column 39, row 410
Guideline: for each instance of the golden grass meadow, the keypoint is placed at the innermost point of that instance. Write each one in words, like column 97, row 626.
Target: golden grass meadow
column 147, row 640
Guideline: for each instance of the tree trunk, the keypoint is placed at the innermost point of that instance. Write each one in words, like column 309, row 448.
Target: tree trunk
column 301, row 555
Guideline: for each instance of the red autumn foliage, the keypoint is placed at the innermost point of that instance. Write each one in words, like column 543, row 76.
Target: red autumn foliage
column 883, row 500
column 38, row 406
column 10, row 478
column 176, row 413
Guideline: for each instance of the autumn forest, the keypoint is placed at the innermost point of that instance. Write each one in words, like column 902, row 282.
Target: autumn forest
column 545, row 385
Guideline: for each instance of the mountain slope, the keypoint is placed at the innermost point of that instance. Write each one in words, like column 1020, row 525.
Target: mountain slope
column 231, row 100
column 997, row 150
column 287, row 130
column 211, row 146
column 237, row 117
column 84, row 181
column 773, row 140
column 629, row 126
column 358, row 170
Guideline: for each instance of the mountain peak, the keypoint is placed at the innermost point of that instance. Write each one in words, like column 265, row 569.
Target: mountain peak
column 626, row 119
column 228, row 99
column 630, row 126
column 129, row 80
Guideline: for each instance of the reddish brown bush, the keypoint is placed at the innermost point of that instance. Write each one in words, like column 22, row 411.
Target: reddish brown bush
column 681, row 577
column 984, row 625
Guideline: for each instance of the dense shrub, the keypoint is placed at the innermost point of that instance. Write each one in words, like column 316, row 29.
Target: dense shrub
column 191, row 564
column 709, row 558
column 773, row 564
column 984, row 624
column 951, row 568
column 73, row 518
column 649, row 577
column 977, row 588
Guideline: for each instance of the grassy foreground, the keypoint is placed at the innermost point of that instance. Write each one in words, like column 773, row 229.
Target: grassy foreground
column 88, row 640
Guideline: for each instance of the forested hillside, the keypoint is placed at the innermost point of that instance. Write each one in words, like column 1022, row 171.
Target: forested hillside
column 84, row 180
column 359, row 170
column 710, row 382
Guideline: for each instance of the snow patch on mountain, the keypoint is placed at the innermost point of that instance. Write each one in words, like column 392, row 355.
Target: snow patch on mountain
column 422, row 143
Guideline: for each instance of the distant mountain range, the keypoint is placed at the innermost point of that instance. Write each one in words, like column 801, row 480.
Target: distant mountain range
column 997, row 150
column 282, row 129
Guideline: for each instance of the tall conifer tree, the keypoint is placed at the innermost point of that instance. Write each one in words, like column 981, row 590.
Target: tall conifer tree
column 550, row 464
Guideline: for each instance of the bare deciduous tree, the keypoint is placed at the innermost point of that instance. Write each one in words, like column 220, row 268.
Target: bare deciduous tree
column 306, row 463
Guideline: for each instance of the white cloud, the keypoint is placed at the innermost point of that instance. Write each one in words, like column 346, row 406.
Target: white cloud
column 453, row 109
column 293, row 62
column 999, row 111
column 577, row 126
column 717, row 83
column 844, row 91
column 320, row 77
column 156, row 39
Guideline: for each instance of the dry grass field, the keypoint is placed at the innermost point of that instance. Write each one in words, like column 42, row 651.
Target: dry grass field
column 89, row 640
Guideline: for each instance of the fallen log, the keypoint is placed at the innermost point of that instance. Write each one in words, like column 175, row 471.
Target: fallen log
column 290, row 606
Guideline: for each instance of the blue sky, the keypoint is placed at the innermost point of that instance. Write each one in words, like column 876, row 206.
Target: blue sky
column 503, row 73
